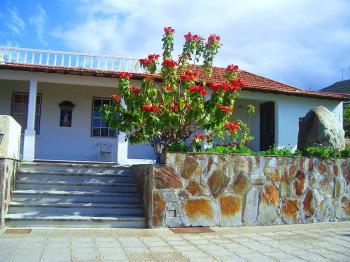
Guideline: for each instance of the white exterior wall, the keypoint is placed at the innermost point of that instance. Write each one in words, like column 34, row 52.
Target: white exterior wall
column 76, row 142
column 288, row 110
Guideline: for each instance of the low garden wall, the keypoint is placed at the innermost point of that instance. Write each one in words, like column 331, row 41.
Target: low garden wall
column 235, row 190
column 8, row 169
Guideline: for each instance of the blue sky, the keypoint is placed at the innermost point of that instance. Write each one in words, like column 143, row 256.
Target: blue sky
column 304, row 43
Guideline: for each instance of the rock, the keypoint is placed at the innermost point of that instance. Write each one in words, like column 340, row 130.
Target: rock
column 230, row 210
column 189, row 167
column 240, row 182
column 345, row 207
column 158, row 210
column 251, row 206
column 268, row 205
column 166, row 177
column 309, row 205
column 201, row 212
column 217, row 183
column 324, row 210
column 194, row 188
column 271, row 170
column 299, row 184
column 320, row 127
column 290, row 211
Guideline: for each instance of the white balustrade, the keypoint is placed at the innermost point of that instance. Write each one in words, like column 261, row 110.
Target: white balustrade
column 68, row 59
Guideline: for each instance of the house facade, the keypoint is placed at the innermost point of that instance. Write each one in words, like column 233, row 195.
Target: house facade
column 56, row 96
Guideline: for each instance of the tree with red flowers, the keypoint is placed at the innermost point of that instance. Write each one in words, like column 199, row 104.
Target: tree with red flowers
column 182, row 104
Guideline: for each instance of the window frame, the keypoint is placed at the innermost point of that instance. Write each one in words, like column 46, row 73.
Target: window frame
column 92, row 127
column 37, row 123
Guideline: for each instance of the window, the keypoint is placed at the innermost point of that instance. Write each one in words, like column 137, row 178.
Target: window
column 19, row 110
column 99, row 127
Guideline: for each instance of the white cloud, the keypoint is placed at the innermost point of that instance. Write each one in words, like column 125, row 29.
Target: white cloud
column 38, row 21
column 300, row 42
column 15, row 23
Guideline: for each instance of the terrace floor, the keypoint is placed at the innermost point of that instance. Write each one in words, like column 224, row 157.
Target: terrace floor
column 312, row 242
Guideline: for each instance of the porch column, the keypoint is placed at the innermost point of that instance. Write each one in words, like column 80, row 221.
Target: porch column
column 122, row 153
column 29, row 133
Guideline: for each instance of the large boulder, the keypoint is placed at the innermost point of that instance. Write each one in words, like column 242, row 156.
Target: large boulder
column 320, row 127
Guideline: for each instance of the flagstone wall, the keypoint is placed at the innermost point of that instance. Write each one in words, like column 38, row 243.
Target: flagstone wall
column 236, row 190
column 8, row 169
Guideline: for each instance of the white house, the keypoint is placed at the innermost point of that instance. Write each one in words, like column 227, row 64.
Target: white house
column 55, row 97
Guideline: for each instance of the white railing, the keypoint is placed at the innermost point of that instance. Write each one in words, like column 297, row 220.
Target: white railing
column 69, row 59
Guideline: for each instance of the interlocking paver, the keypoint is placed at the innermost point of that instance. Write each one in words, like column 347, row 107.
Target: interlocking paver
column 311, row 242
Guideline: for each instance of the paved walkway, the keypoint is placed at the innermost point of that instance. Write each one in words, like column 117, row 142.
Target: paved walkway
column 312, row 242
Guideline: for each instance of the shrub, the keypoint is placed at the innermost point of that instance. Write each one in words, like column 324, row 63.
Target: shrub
column 178, row 107
column 280, row 152
column 241, row 149
column 346, row 152
column 347, row 121
column 323, row 152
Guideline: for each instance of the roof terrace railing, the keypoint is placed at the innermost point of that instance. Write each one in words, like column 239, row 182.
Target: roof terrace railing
column 69, row 59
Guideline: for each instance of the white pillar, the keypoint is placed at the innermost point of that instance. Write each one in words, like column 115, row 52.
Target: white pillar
column 122, row 153
column 29, row 133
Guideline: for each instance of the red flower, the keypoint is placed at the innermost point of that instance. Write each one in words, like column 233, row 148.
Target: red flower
column 226, row 109
column 214, row 86
column 191, row 37
column 188, row 36
column 236, row 84
column 124, row 75
column 225, row 86
column 197, row 89
column 189, row 76
column 199, row 136
column 212, row 39
column 175, row 107
column 153, row 57
column 232, row 126
column 169, row 30
column 116, row 98
column 169, row 63
column 150, row 108
column 145, row 61
column 169, row 88
column 135, row 90
column 232, row 68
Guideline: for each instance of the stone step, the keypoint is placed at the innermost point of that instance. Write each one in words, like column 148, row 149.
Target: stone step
column 75, row 168
column 83, row 187
column 93, row 210
column 70, row 177
column 73, row 197
column 18, row 220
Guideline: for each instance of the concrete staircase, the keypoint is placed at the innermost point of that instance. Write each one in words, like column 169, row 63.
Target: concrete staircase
column 75, row 195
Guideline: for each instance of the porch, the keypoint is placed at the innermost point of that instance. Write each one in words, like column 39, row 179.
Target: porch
column 84, row 136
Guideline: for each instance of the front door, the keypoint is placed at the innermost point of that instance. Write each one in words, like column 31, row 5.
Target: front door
column 267, row 125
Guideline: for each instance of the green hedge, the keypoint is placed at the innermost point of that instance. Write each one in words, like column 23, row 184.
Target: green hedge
column 321, row 152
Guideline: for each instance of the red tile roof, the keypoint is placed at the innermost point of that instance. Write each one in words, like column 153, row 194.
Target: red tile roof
column 251, row 81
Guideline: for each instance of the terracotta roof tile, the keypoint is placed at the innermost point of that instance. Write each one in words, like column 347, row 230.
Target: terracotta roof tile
column 251, row 81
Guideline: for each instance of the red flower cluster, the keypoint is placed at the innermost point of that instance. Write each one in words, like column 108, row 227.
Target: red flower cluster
column 169, row 88
column 189, row 76
column 199, row 136
column 226, row 109
column 116, row 98
column 169, row 30
column 212, row 39
column 188, row 107
column 232, row 68
column 175, row 107
column 150, row 108
column 169, row 63
column 196, row 38
column 135, row 90
column 151, row 59
column 197, row 89
column 124, row 75
column 232, row 126
column 236, row 84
